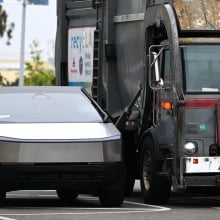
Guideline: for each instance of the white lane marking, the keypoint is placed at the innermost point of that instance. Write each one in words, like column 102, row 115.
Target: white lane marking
column 78, row 213
column 159, row 208
column 95, row 211
column 28, row 196
column 4, row 218
column 91, row 211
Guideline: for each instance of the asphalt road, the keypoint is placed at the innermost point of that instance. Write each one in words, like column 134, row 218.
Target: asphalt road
column 44, row 205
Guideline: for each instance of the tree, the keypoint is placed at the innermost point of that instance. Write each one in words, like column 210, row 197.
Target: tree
column 3, row 21
column 37, row 74
column 3, row 25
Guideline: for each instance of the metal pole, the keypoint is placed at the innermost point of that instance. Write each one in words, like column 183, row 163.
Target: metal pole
column 22, row 48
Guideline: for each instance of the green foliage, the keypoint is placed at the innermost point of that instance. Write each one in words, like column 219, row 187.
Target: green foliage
column 46, row 78
column 4, row 81
column 37, row 75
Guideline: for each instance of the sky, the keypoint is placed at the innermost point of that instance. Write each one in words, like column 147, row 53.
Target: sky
column 40, row 26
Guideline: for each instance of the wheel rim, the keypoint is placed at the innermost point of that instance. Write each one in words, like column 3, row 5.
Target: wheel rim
column 147, row 170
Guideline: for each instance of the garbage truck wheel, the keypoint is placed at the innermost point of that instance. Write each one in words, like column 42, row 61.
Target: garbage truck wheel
column 155, row 188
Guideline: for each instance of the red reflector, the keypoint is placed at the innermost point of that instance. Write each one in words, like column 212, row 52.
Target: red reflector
column 195, row 160
column 201, row 103
column 130, row 123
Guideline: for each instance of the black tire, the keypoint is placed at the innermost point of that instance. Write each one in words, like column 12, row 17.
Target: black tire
column 130, row 167
column 129, row 185
column 155, row 188
column 2, row 198
column 129, row 148
column 111, row 198
column 67, row 194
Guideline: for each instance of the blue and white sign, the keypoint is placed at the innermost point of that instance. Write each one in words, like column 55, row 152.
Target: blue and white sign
column 35, row 2
column 39, row 2
column 80, row 56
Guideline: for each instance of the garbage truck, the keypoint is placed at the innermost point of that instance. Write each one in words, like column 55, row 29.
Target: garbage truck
column 154, row 66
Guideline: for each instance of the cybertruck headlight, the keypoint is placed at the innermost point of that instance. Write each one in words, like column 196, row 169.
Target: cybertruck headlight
column 190, row 148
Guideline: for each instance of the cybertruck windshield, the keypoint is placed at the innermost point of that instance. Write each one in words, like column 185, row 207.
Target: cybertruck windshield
column 201, row 68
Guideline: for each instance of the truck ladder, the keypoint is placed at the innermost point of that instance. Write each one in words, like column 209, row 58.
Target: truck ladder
column 96, row 64
column 97, row 57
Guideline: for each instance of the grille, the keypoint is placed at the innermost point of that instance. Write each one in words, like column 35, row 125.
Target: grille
column 70, row 176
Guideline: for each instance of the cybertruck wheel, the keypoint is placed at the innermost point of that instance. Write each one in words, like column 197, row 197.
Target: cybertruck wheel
column 130, row 161
column 67, row 194
column 111, row 198
column 155, row 188
column 2, row 198
column 130, row 181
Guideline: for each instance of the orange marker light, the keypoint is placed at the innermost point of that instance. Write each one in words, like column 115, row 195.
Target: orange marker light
column 195, row 160
column 166, row 105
